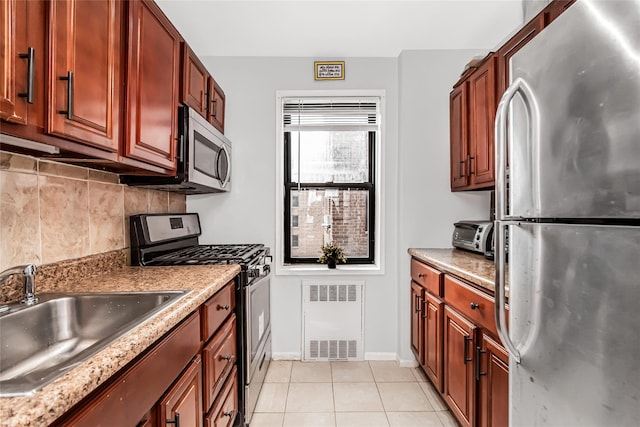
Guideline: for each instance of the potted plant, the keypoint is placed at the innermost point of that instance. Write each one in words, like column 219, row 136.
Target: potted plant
column 332, row 254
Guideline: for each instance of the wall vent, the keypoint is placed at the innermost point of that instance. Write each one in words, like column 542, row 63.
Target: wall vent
column 333, row 320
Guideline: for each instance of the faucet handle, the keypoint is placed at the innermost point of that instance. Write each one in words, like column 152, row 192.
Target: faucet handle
column 29, row 274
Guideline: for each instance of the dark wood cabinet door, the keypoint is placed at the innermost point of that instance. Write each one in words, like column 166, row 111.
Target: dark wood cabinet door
column 85, row 80
column 555, row 9
column 493, row 374
column 459, row 380
column 195, row 81
column 515, row 43
column 23, row 35
column 183, row 400
column 417, row 323
column 433, row 340
column 482, row 113
column 458, row 122
column 153, row 72
column 225, row 408
column 216, row 105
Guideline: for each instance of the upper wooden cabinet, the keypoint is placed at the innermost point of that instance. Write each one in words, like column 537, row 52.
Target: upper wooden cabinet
column 458, row 106
column 514, row 44
column 85, row 77
column 555, row 9
column 472, row 113
column 200, row 91
column 153, row 73
column 216, row 105
column 473, row 103
column 23, row 57
column 195, row 81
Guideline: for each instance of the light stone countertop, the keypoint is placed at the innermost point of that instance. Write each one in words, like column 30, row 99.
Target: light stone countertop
column 55, row 399
column 473, row 267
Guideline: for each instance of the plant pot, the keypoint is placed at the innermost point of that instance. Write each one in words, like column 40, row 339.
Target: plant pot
column 331, row 264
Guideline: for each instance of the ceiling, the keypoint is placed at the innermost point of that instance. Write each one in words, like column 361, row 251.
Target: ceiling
column 340, row 28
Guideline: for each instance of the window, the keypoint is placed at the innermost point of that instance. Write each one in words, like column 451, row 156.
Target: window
column 329, row 177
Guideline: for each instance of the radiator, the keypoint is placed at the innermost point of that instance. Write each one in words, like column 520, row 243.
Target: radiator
column 333, row 320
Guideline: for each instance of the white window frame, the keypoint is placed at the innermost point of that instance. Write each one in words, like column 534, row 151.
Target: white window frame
column 314, row 269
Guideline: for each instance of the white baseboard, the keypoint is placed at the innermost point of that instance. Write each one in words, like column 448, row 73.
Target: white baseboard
column 380, row 356
column 286, row 355
column 406, row 363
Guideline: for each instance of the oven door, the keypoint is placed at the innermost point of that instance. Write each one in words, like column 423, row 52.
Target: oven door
column 257, row 321
column 209, row 154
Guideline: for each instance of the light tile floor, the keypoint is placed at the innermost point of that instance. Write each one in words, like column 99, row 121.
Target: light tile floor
column 348, row 394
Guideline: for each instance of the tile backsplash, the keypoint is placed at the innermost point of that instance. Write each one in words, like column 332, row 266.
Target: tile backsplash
column 52, row 211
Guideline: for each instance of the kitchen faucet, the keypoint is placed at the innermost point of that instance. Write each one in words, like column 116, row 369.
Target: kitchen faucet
column 28, row 273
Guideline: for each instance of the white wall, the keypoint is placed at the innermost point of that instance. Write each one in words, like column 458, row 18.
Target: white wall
column 427, row 206
column 419, row 207
column 247, row 213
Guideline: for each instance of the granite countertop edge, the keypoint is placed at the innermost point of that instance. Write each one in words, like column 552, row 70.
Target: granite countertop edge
column 475, row 268
column 46, row 405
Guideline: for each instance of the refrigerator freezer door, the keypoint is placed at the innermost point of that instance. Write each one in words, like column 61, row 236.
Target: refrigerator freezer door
column 584, row 74
column 574, row 295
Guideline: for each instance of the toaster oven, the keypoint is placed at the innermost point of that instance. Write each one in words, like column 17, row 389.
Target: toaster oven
column 475, row 236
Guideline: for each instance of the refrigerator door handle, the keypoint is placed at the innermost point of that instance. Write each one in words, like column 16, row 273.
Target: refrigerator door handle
column 500, row 312
column 519, row 86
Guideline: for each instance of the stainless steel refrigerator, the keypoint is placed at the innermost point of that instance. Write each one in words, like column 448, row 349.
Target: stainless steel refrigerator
column 569, row 202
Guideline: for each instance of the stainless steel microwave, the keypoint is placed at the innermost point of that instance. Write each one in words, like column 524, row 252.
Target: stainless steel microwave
column 204, row 159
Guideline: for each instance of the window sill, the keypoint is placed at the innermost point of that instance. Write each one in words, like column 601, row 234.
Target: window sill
column 323, row 270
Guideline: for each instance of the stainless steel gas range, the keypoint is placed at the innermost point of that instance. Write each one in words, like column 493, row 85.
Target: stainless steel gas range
column 172, row 239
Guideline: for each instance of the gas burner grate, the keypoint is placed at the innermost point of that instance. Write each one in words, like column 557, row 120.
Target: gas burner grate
column 212, row 254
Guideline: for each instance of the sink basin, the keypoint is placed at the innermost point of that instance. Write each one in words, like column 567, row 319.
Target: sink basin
column 42, row 342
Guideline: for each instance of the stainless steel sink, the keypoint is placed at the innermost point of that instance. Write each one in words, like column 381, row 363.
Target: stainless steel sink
column 41, row 342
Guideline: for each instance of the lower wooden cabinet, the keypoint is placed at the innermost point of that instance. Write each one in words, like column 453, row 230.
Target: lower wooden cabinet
column 225, row 409
column 459, row 380
column 182, row 403
column 417, row 333
column 432, row 312
column 453, row 336
column 493, row 376
column 178, row 382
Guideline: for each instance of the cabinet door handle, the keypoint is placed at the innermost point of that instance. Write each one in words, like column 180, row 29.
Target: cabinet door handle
column 465, row 352
column 468, row 165
column 228, row 358
column 214, row 102
column 175, row 421
column 424, row 312
column 416, row 303
column 30, row 57
column 479, row 351
column 222, row 307
column 229, row 414
column 69, row 111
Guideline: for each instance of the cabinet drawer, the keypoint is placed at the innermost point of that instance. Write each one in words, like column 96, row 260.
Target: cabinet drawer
column 474, row 304
column 428, row 277
column 225, row 409
column 217, row 309
column 220, row 356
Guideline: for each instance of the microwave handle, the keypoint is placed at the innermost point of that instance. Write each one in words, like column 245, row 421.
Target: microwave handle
column 181, row 148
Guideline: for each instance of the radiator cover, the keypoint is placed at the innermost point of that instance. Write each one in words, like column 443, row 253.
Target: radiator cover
column 333, row 320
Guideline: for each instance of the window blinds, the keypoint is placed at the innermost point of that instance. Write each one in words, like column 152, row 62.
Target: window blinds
column 305, row 114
